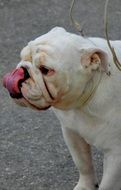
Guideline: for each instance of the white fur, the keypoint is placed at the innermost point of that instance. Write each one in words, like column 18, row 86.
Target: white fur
column 96, row 123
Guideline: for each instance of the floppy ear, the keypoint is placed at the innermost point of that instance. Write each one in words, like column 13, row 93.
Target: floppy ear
column 94, row 59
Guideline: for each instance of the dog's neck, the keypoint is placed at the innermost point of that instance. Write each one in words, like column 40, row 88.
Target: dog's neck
column 89, row 90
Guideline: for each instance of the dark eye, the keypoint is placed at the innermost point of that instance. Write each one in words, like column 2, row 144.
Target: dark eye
column 46, row 71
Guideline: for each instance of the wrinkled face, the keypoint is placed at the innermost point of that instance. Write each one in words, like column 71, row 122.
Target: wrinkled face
column 51, row 72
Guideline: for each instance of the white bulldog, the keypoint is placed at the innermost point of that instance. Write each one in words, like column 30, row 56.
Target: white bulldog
column 78, row 78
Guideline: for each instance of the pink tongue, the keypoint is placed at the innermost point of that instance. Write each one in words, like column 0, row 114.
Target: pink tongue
column 11, row 80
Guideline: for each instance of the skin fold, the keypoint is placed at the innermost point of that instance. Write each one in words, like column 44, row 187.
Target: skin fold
column 70, row 73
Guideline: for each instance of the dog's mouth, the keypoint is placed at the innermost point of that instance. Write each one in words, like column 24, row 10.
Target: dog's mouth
column 14, row 81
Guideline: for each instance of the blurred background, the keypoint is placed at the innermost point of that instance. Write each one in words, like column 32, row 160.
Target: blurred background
column 33, row 155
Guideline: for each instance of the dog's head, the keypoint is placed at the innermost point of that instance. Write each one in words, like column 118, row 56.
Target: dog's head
column 54, row 70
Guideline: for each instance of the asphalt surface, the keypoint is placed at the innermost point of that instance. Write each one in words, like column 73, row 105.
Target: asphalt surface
column 33, row 155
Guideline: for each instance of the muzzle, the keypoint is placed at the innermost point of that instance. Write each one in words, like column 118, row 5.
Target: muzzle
column 13, row 81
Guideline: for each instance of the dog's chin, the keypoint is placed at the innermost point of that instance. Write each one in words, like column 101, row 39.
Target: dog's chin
column 25, row 103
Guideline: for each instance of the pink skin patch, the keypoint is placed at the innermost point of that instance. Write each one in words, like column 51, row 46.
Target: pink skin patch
column 12, row 80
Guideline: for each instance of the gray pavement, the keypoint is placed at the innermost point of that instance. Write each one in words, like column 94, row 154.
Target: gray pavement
column 33, row 155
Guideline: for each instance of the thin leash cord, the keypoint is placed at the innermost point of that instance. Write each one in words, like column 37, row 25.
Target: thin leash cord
column 93, row 90
column 115, row 59
column 77, row 26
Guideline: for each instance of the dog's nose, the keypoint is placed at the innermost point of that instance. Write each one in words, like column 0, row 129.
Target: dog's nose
column 13, row 81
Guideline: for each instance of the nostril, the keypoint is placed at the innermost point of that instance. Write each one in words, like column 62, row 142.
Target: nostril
column 26, row 76
column 26, row 73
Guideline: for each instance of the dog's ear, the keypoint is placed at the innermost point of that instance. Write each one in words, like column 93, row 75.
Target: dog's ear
column 26, row 54
column 94, row 59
